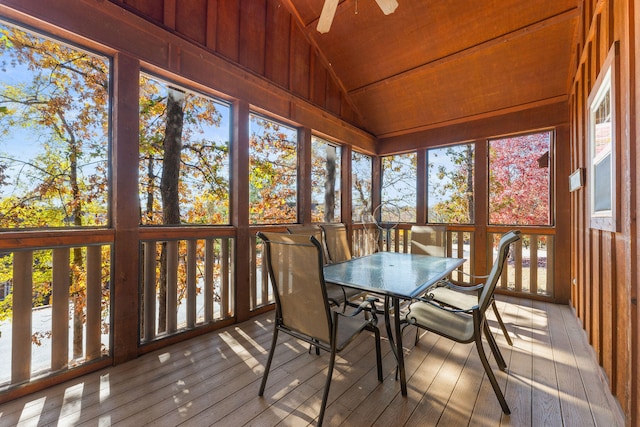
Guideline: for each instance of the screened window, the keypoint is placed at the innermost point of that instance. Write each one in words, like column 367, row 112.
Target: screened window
column 398, row 192
column 184, row 155
column 273, row 183
column 325, row 181
column 54, row 133
column 519, row 179
column 361, row 170
column 450, row 177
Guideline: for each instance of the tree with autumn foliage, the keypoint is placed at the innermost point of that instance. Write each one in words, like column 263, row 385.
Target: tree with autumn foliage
column 451, row 179
column 54, row 107
column 519, row 180
column 184, row 170
column 273, row 172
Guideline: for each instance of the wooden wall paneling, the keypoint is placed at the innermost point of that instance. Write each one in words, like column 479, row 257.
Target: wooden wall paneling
column 169, row 15
column 346, row 185
column 596, row 294
column 240, row 208
column 152, row 8
column 575, row 197
column 191, row 20
column 319, row 79
column 582, row 122
column 634, row 331
column 228, row 29
column 607, row 253
column 125, row 209
column 536, row 118
column 211, row 24
column 621, row 34
column 278, row 45
column 333, row 99
column 625, row 380
column 562, row 240
column 299, row 60
column 252, row 43
column 421, row 187
column 304, row 171
column 481, row 258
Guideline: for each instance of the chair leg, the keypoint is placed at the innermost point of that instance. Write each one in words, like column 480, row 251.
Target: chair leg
column 494, row 347
column 376, row 333
column 491, row 376
column 325, row 395
column 268, row 365
column 501, row 323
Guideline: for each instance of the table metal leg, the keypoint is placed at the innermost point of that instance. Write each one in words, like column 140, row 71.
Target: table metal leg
column 396, row 342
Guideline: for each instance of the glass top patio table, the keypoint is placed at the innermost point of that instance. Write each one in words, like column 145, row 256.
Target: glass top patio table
column 394, row 274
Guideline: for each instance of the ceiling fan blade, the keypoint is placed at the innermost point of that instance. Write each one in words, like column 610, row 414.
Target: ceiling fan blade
column 387, row 6
column 326, row 16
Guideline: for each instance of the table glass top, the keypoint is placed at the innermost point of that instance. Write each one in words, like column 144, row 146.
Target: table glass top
column 391, row 273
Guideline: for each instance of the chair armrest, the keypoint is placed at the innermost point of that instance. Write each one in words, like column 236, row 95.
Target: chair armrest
column 368, row 305
column 460, row 288
column 449, row 309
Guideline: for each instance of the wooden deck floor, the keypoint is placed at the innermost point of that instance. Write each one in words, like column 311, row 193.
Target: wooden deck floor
column 213, row 380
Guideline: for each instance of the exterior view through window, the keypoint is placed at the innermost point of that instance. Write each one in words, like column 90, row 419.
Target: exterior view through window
column 519, row 194
column 450, row 177
column 325, row 181
column 54, row 141
column 519, row 180
column 361, row 169
column 54, row 169
column 273, row 175
column 398, row 193
column 184, row 156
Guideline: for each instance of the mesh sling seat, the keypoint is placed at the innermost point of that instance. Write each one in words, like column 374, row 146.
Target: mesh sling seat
column 302, row 307
column 337, row 294
column 429, row 240
column 468, row 325
column 432, row 240
column 337, row 243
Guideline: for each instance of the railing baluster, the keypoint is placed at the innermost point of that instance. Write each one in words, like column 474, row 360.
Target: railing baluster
column 172, row 286
column 533, row 264
column 191, row 283
column 518, row 265
column 264, row 279
column 550, row 263
column 226, row 302
column 208, row 280
column 253, row 274
column 60, row 309
column 22, row 315
column 149, row 291
column 93, row 304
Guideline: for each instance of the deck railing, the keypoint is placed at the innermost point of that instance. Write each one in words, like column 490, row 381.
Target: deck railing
column 59, row 307
column 186, row 283
column 529, row 269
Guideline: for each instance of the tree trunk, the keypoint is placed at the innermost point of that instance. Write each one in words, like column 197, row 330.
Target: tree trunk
column 330, row 185
column 169, row 188
column 470, row 203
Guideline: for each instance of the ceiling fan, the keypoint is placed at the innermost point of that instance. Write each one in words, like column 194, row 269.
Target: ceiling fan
column 329, row 11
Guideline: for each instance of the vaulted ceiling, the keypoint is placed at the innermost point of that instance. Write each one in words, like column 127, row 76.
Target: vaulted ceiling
column 438, row 62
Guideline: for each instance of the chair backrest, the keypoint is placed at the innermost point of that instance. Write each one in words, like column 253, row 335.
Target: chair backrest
column 315, row 231
column 294, row 262
column 429, row 240
column 337, row 243
column 496, row 270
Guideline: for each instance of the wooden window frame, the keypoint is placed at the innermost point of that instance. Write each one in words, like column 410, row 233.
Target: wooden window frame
column 601, row 218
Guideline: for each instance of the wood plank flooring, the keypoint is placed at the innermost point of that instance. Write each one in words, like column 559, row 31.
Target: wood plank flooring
column 213, row 380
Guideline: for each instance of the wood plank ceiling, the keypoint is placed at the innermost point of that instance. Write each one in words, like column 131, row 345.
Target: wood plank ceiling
column 435, row 62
